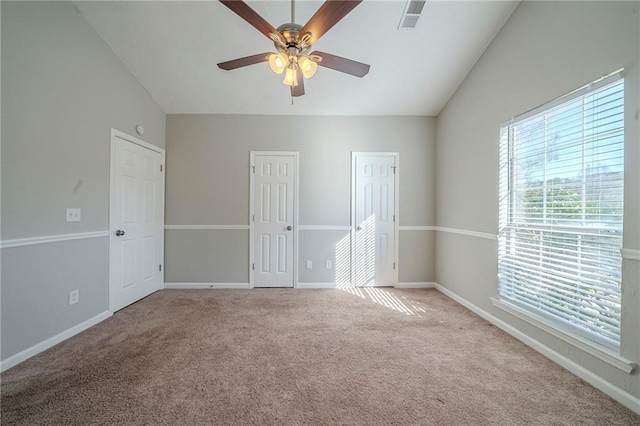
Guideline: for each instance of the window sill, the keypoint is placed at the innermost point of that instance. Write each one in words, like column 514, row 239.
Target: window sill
column 601, row 352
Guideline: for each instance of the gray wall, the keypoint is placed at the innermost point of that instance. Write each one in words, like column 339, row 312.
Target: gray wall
column 62, row 91
column 208, row 184
column 545, row 50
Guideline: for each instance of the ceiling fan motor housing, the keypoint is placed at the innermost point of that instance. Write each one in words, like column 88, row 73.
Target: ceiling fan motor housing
column 290, row 33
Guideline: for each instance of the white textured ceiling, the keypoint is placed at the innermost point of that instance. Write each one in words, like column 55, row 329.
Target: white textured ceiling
column 172, row 48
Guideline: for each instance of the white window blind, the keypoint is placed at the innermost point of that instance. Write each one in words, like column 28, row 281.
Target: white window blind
column 561, row 211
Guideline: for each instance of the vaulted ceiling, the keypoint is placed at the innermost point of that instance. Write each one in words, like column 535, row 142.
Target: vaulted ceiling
column 172, row 48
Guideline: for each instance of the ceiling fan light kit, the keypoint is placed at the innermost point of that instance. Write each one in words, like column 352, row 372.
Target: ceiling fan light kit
column 290, row 77
column 307, row 66
column 293, row 57
column 278, row 62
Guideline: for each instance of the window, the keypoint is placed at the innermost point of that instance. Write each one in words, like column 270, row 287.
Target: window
column 561, row 212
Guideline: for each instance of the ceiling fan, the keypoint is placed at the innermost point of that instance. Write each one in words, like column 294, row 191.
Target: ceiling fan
column 293, row 42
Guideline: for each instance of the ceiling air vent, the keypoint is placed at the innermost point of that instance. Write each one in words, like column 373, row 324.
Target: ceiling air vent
column 411, row 14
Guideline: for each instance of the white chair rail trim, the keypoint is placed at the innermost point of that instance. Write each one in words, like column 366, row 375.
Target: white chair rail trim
column 633, row 254
column 205, row 227
column 300, row 227
column 20, row 242
column 416, row 228
column 467, row 232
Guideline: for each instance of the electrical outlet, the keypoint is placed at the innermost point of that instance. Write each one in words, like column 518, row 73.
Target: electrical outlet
column 327, row 264
column 309, row 264
column 73, row 215
column 74, row 297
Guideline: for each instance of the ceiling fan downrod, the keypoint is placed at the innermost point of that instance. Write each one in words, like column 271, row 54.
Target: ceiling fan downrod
column 293, row 11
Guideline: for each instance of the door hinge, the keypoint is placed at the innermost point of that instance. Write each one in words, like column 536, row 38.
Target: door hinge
column 394, row 169
column 160, row 267
column 253, row 217
column 394, row 265
column 254, row 169
column 253, row 266
column 394, row 217
column 160, row 167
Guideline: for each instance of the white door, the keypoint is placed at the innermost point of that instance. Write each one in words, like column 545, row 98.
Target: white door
column 373, row 213
column 136, row 220
column 273, row 207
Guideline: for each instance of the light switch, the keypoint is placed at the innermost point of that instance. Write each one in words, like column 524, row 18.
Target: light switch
column 73, row 215
column 309, row 264
column 327, row 264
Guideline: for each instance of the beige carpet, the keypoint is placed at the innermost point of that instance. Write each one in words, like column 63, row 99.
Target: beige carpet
column 379, row 356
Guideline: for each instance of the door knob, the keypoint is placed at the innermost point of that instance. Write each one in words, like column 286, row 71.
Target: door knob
column 289, row 228
column 119, row 233
column 358, row 228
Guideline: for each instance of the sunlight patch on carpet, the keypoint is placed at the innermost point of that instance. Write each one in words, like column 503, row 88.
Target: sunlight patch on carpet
column 387, row 299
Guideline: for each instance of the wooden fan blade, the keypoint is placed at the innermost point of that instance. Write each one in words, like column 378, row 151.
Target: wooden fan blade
column 243, row 62
column 243, row 10
column 327, row 16
column 338, row 63
column 299, row 89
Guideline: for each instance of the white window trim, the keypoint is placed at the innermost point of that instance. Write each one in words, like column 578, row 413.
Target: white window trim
column 601, row 352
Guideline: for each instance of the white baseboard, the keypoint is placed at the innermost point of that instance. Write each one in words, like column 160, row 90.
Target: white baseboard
column 605, row 354
column 299, row 285
column 620, row 395
column 416, row 285
column 321, row 285
column 349, row 285
column 52, row 341
column 205, row 285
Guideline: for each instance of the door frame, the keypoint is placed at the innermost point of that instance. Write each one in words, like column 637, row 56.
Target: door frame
column 396, row 207
column 296, row 175
column 112, row 166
